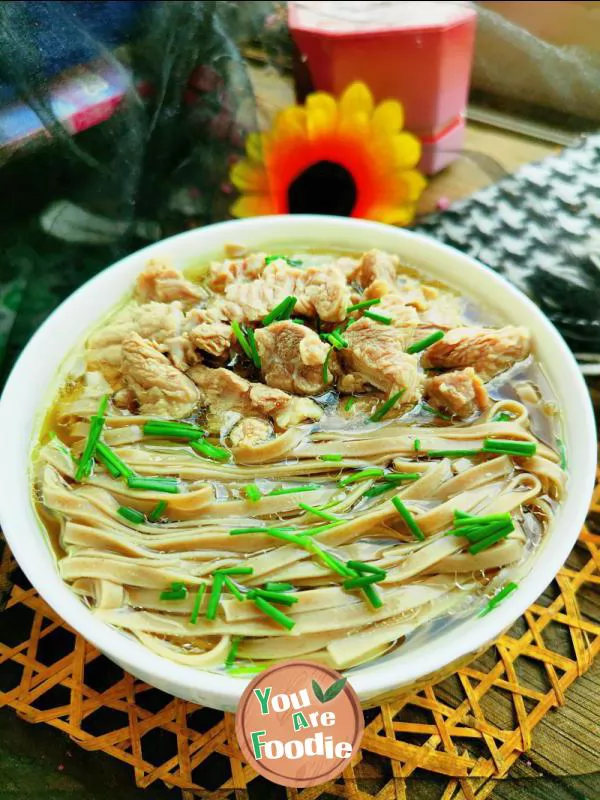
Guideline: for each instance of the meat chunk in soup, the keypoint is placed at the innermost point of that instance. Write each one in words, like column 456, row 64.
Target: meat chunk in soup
column 251, row 431
column 159, row 322
column 461, row 392
column 160, row 388
column 292, row 357
column 489, row 351
column 223, row 392
column 164, row 283
column 375, row 265
column 212, row 337
column 222, row 273
column 320, row 291
column 375, row 356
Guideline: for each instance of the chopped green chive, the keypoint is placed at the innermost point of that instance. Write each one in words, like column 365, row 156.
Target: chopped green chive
column 499, row 597
column 334, row 564
column 509, row 447
column 234, row 571
column 278, row 586
column 197, row 604
column 255, row 529
column 501, row 416
column 349, row 403
column 215, row 595
column 361, row 566
column 253, row 348
column 96, row 426
column 275, row 614
column 363, row 474
column 292, row 262
column 131, row 514
column 562, row 453
column 408, row 518
column 417, row 445
column 250, row 669
column 364, row 304
column 363, row 580
column 169, row 485
column 232, row 588
column 232, row 654
column 385, row 320
column 281, row 311
column 422, row 344
column 175, row 430
column 297, row 321
column 375, row 491
column 176, row 592
column 326, row 365
column 399, row 477
column 158, row 510
column 434, row 411
column 380, row 413
column 383, row 409
column 484, row 544
column 319, row 528
column 112, row 462
column 372, row 596
column 335, row 340
column 210, row 451
column 242, row 338
column 307, row 487
column 318, row 512
column 253, row 493
column 331, row 457
column 274, row 597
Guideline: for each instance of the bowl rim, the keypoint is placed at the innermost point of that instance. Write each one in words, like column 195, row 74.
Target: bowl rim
column 223, row 691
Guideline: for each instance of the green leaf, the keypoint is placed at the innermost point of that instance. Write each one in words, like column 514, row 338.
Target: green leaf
column 318, row 691
column 334, row 689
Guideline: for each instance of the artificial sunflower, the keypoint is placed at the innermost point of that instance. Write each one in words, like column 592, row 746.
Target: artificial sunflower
column 349, row 158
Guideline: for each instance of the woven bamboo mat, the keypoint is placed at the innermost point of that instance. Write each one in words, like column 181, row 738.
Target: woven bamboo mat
column 459, row 735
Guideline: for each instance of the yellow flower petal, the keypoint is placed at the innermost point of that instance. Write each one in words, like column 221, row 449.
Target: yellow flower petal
column 415, row 184
column 255, row 146
column 407, row 150
column 356, row 99
column 248, row 176
column 357, row 125
column 321, row 114
column 290, row 122
column 388, row 118
column 401, row 215
column 252, row 205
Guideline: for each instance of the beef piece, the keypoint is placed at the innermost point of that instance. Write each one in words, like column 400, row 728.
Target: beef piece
column 375, row 356
column 251, row 431
column 222, row 273
column 461, row 392
column 159, row 387
column 489, row 351
column 164, row 283
column 212, row 337
column 292, row 357
column 375, row 266
column 223, row 392
column 320, row 291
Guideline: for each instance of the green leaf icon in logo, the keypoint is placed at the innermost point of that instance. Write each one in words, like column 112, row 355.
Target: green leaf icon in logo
column 330, row 693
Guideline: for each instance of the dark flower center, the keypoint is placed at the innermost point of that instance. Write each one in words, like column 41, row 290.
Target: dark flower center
column 323, row 188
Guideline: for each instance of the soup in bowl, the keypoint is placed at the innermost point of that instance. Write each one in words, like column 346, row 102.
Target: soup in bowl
column 305, row 438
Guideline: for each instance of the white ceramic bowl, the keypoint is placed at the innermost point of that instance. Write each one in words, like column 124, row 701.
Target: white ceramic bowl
column 40, row 369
